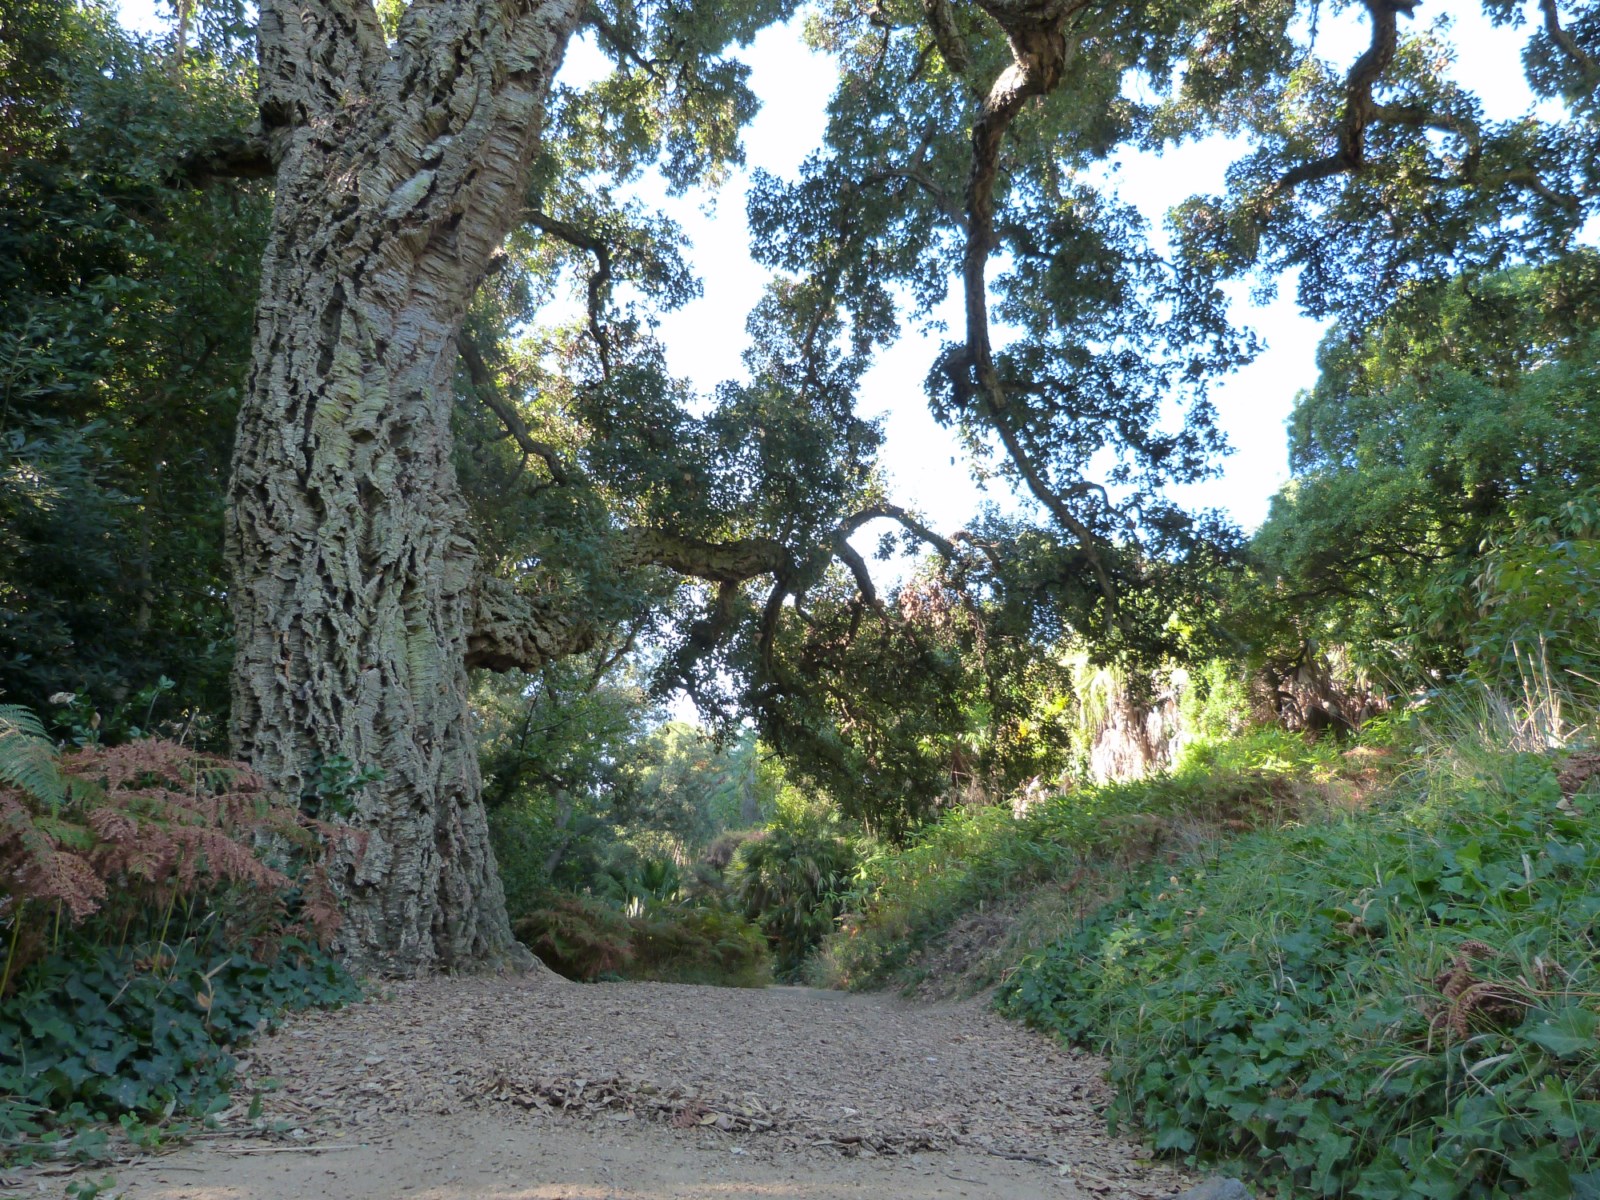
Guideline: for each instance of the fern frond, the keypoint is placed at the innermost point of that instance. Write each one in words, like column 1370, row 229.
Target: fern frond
column 28, row 758
column 24, row 719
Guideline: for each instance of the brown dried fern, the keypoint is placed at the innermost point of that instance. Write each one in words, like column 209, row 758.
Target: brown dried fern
column 140, row 827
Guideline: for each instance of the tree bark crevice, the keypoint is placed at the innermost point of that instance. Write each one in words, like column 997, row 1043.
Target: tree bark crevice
column 399, row 175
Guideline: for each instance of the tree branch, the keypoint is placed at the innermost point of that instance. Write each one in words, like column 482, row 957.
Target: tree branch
column 599, row 280
column 1359, row 108
column 1362, row 111
column 718, row 562
column 1040, row 52
column 487, row 389
column 1568, row 44
column 922, row 179
column 851, row 558
column 942, row 24
column 1034, row 478
column 512, row 630
column 614, row 36
column 893, row 512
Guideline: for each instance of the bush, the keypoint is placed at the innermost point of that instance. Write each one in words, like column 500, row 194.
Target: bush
column 791, row 881
column 127, row 833
column 699, row 945
column 522, row 836
column 159, row 907
column 1394, row 1005
column 720, row 853
column 577, row 937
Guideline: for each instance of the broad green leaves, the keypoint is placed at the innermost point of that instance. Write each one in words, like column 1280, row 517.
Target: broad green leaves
column 1394, row 1005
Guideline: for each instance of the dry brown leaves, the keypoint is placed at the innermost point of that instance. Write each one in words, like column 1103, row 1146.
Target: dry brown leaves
column 780, row 1070
column 626, row 1099
column 1471, row 1003
column 1577, row 771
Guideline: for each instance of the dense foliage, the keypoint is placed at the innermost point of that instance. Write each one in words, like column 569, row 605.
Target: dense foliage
column 1445, row 459
column 791, row 880
column 587, row 939
column 1396, row 1004
column 159, row 908
column 126, row 296
column 141, row 1031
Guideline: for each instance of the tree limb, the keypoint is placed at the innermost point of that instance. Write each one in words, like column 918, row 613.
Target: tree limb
column 487, row 389
column 599, row 280
column 851, row 558
column 717, row 562
column 942, row 24
column 893, row 512
column 620, row 43
column 1362, row 111
column 1359, row 108
column 508, row 629
column 1568, row 45
column 1040, row 52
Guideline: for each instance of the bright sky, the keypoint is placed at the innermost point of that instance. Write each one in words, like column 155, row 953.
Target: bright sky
column 705, row 339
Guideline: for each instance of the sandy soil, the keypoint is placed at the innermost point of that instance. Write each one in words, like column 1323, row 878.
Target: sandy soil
column 539, row 1088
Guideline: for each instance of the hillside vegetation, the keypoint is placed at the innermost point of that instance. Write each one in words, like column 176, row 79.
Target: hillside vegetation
column 375, row 599
column 1350, row 982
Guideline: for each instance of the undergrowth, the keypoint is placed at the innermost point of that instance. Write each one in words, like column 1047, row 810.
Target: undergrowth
column 790, row 880
column 1083, row 840
column 141, row 1033
column 1399, row 1003
column 158, row 907
column 585, row 939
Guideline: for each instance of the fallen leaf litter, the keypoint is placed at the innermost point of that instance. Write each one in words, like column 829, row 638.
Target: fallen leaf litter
column 774, row 1071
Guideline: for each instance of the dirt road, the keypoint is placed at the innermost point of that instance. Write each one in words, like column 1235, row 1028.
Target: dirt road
column 539, row 1089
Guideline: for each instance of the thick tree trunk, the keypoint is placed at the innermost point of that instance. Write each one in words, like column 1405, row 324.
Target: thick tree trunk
column 401, row 169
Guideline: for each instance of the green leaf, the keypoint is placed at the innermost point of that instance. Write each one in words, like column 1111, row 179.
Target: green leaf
column 1544, row 1171
column 1570, row 1032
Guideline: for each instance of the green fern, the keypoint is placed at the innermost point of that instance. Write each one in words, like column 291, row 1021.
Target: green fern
column 28, row 757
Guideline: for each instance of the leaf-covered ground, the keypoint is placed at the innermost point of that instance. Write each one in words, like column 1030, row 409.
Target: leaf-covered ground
column 536, row 1087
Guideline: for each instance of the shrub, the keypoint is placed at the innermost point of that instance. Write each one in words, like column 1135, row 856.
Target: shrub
column 792, row 881
column 719, row 854
column 123, row 833
column 577, row 937
column 159, row 906
column 1397, row 1004
column 699, row 945
column 96, row 1031
column 586, row 939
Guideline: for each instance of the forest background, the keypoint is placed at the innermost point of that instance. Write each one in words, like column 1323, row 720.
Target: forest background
column 944, row 719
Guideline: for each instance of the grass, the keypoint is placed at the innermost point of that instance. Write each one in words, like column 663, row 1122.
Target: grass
column 1067, row 854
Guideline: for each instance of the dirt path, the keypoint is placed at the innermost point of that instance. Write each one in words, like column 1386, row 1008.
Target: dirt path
column 538, row 1088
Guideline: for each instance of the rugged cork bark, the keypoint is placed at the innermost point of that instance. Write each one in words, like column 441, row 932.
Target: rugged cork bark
column 400, row 169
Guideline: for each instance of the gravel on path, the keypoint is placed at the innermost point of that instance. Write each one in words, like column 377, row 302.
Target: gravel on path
column 534, row 1087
